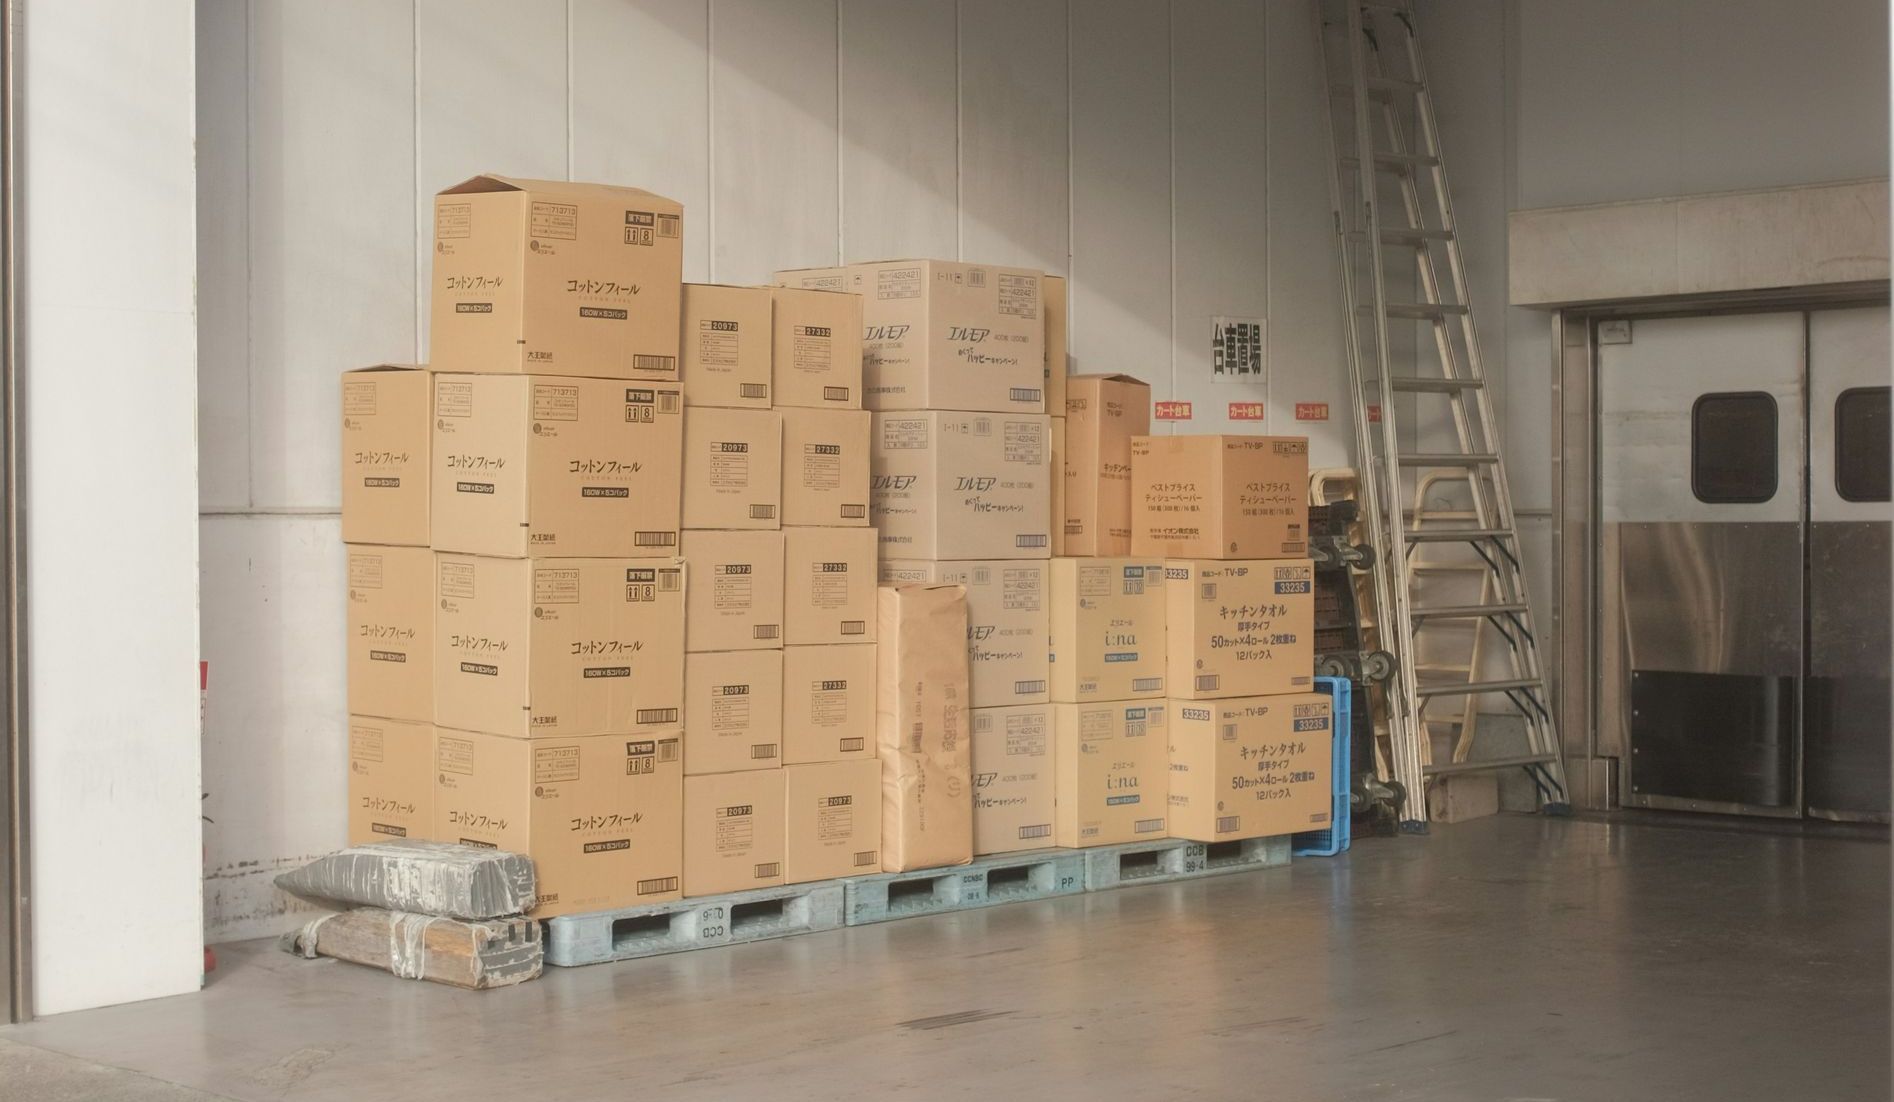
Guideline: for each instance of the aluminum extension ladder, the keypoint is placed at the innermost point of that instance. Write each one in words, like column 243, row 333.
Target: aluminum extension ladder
column 1390, row 196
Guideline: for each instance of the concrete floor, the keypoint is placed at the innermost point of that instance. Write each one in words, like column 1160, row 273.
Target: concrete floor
column 1508, row 958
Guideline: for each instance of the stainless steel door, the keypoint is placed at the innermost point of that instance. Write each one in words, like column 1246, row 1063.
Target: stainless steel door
column 1845, row 719
column 1701, row 476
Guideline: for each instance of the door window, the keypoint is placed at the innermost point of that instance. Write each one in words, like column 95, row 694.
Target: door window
column 1861, row 444
column 1733, row 448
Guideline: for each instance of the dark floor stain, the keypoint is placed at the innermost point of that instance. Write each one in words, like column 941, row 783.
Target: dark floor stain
column 963, row 1017
column 1415, row 1041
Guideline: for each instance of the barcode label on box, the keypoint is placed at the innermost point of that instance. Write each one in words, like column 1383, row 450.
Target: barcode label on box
column 1025, row 394
column 1209, row 682
column 1229, row 823
column 1148, row 826
column 1209, row 591
column 854, row 627
column 648, row 716
column 1041, row 830
column 867, row 857
column 657, row 886
column 762, row 512
column 654, row 539
column 668, row 225
column 835, row 394
column 1147, row 684
column 753, row 390
column 1038, row 539
column 669, row 401
column 763, row 751
column 1027, row 688
column 852, row 745
column 668, row 750
column 766, row 631
column 670, row 581
column 769, row 870
column 854, row 512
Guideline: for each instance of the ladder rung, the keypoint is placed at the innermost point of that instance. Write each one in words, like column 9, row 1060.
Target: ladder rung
column 1405, row 235
column 1381, row 88
column 1456, row 535
column 1447, row 768
column 1464, row 612
column 1476, row 688
column 1420, row 311
column 1395, row 162
column 1423, row 385
column 1446, row 459
column 1447, row 567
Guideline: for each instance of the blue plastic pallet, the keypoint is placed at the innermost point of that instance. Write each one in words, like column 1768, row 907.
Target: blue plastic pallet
column 1328, row 843
column 701, row 923
column 1003, row 878
column 1169, row 859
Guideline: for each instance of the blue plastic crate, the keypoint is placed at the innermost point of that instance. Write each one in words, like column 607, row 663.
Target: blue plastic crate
column 1328, row 843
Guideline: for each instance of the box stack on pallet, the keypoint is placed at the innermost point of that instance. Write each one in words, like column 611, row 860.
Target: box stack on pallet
column 955, row 370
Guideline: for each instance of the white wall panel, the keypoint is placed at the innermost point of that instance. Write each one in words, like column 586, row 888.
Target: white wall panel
column 773, row 137
column 1121, row 190
column 1219, row 173
column 331, row 225
column 1015, row 178
column 900, row 121
column 223, row 255
column 275, row 742
column 489, row 96
column 641, row 106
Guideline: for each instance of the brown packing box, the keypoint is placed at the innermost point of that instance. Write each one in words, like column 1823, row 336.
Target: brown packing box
column 1008, row 620
column 940, row 334
column 1239, row 627
column 1251, row 767
column 1058, row 487
column 825, row 467
column 391, row 632
column 921, row 728
column 1102, row 414
column 736, row 596
column 828, row 703
column 817, row 350
column 1220, row 497
column 733, row 711
column 385, row 439
column 1012, row 778
column 391, row 780
column 723, row 354
column 832, row 817
column 556, row 278
column 558, row 647
column 1108, row 631
column 950, row 485
column 733, row 831
column 828, row 585
column 1053, row 289
column 555, row 467
column 1112, row 762
column 602, row 817
column 733, row 468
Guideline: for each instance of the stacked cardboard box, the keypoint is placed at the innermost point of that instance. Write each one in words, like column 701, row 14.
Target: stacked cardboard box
column 1249, row 743
column 781, row 784
column 955, row 372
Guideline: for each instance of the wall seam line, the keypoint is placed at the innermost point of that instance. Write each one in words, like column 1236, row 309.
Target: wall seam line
column 710, row 137
column 1071, row 256
column 249, row 268
column 841, row 179
column 414, row 168
column 570, row 128
column 960, row 143
column 1170, row 127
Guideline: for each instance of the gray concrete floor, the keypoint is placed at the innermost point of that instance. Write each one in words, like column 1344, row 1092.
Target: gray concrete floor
column 1509, row 958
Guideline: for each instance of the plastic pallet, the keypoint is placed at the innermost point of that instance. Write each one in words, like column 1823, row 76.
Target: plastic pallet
column 1003, row 878
column 1177, row 859
column 1335, row 839
column 657, row 928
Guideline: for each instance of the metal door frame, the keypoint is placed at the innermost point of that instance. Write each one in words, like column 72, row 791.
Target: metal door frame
column 15, row 920
column 1594, row 758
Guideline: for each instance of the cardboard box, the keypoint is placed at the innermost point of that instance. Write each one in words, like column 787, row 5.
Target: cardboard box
column 556, row 278
column 391, row 780
column 825, row 467
column 920, row 727
column 1057, row 369
column 558, row 647
column 961, row 485
column 832, row 816
column 1112, row 761
column 733, row 832
column 828, row 703
column 1107, row 629
column 1102, row 414
column 733, row 468
column 1220, row 497
column 391, row 632
column 817, row 349
column 1013, row 789
column 1058, row 487
column 736, row 596
column 554, row 467
column 386, row 432
column 602, row 817
column 724, row 349
column 1251, row 767
column 939, row 334
column 828, row 585
column 733, row 711
column 1008, row 622
column 1239, row 628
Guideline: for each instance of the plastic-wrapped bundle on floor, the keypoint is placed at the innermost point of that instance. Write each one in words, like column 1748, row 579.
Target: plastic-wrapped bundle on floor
column 427, row 878
column 480, row 954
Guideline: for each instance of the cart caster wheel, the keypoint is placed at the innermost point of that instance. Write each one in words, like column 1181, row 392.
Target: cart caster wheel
column 1364, row 557
column 1378, row 666
column 1331, row 665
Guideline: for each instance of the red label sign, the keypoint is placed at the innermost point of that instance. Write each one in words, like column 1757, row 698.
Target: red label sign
column 1171, row 411
column 1246, row 411
column 1311, row 411
column 1374, row 413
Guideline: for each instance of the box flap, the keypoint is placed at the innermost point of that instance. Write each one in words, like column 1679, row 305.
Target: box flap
column 490, row 181
column 1108, row 377
column 385, row 367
